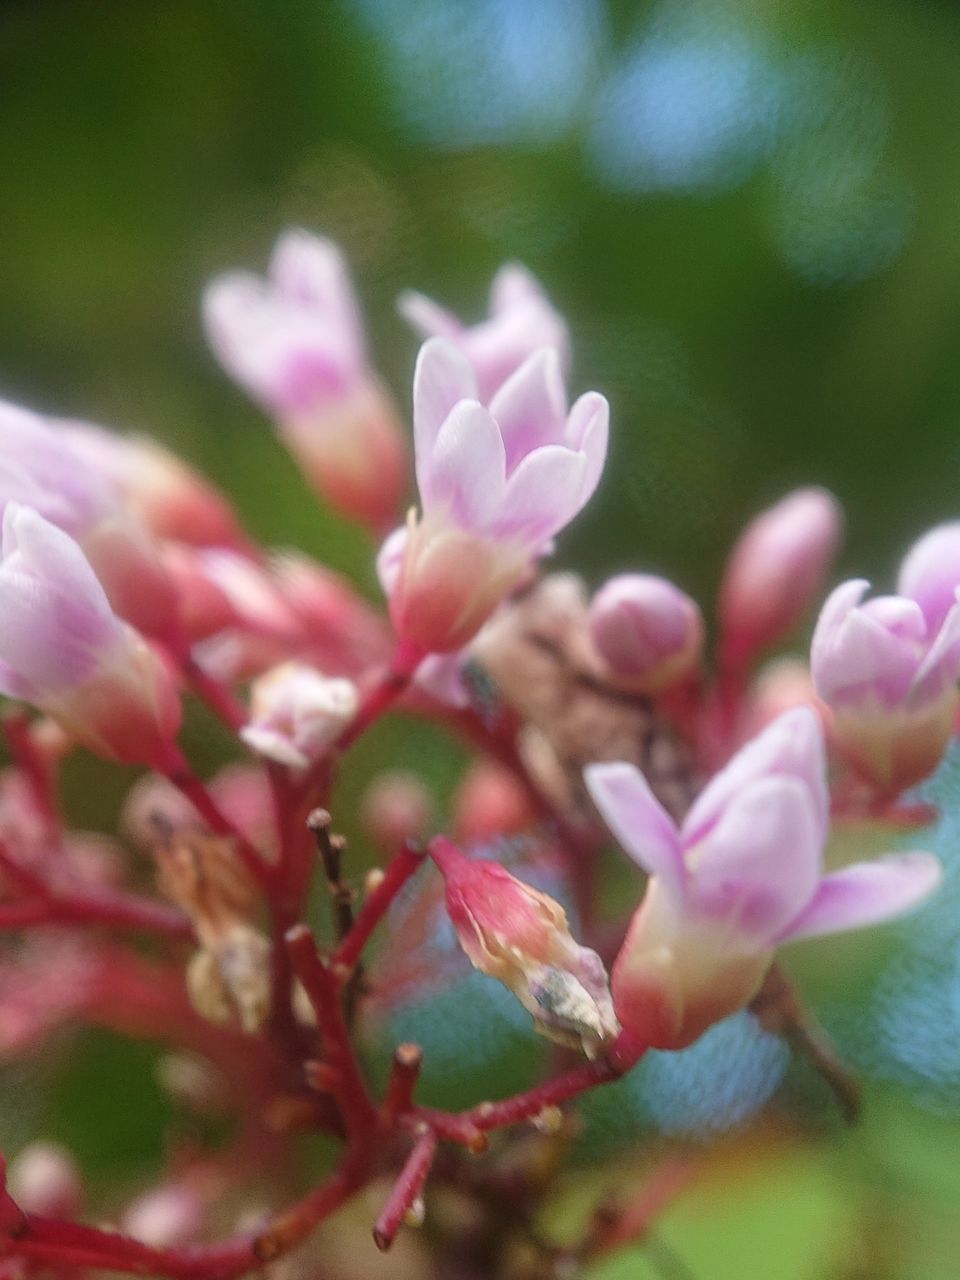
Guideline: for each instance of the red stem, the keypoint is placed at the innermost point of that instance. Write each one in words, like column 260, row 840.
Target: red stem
column 407, row 1061
column 323, row 990
column 187, row 782
column 381, row 694
column 398, row 872
column 406, row 1190
column 218, row 696
column 109, row 909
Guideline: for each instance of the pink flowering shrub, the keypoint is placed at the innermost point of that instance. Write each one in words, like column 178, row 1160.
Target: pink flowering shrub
column 128, row 586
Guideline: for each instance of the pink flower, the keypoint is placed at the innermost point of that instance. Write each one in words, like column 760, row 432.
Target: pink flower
column 743, row 874
column 47, row 465
column 649, row 632
column 930, row 573
column 298, row 713
column 522, row 320
column 63, row 648
column 520, row 936
column 295, row 343
column 776, row 571
column 890, row 681
column 496, row 484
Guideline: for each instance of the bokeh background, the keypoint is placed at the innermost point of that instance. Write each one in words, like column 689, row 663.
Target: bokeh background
column 749, row 212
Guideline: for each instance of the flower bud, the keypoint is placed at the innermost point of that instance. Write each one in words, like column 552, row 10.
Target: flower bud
column 520, row 936
column 298, row 714
column 490, row 802
column 740, row 876
column 930, row 573
column 522, row 319
column 63, row 649
column 162, row 491
column 295, row 342
column 164, row 1216
column 649, row 632
column 44, row 1179
column 775, row 572
column 779, row 686
column 890, row 682
column 396, row 807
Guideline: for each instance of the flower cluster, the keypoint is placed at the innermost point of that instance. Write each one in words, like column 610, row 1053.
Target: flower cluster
column 128, row 586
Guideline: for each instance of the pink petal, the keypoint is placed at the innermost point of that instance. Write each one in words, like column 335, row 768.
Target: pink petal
column 311, row 271
column 512, row 286
column 792, row 746
column 588, row 430
column 467, row 468
column 758, row 867
column 636, row 817
column 542, row 495
column 941, row 667
column 531, row 406
column 867, row 663
column 441, row 379
column 427, row 317
column 867, row 893
column 930, row 573
column 838, row 605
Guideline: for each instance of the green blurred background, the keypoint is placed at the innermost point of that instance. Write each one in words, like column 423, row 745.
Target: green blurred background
column 748, row 212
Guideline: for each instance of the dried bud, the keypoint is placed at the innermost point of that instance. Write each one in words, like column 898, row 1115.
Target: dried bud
column 520, row 936
column 231, row 979
column 204, row 877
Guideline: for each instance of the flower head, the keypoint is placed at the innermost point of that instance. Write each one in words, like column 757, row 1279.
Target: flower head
column 63, row 648
column 522, row 319
column 295, row 343
column 298, row 713
column 776, row 570
column 520, row 936
column 496, row 484
column 740, row 876
column 890, row 681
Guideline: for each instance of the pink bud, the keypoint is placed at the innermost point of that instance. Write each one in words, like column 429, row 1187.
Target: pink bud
column 776, row 571
column 522, row 319
column 495, row 484
column 779, row 686
column 520, row 936
column 930, row 573
column 490, row 802
column 649, row 632
column 297, row 714
column 164, row 494
column 743, row 874
column 44, row 1179
column 164, row 1216
column 295, row 343
column 396, row 807
column 49, row 466
column 63, row 649
column 890, row 682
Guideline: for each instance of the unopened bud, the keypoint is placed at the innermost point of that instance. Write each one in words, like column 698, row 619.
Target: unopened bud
column 164, row 1216
column 44, row 1179
column 396, row 807
column 520, row 936
column 648, row 632
column 775, row 572
column 490, row 802
column 930, row 573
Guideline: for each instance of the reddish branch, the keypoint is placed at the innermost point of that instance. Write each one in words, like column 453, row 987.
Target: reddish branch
column 402, row 1202
column 398, row 872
